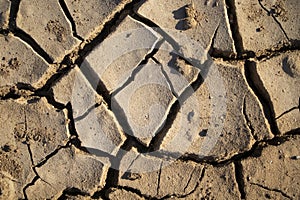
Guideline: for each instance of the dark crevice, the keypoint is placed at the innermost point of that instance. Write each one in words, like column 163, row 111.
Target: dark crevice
column 65, row 9
column 96, row 83
column 14, row 9
column 122, row 119
column 158, row 138
column 285, row 34
column 72, row 128
column 113, row 174
column 255, row 151
column 52, row 154
column 158, row 179
column 92, row 151
column 288, row 111
column 257, row 87
column 30, row 155
column 50, row 99
column 108, row 28
column 200, row 78
column 177, row 47
column 12, row 94
column 239, row 176
column 26, row 90
column 269, row 13
column 282, row 139
column 173, row 111
column 237, row 38
column 35, row 179
column 99, row 85
column 247, row 120
column 128, row 174
column 134, row 142
column 272, row 190
column 64, row 68
column 4, row 32
column 267, row 53
column 211, row 50
column 166, row 77
column 33, row 44
column 74, row 139
column 87, row 112
column 216, row 161
column 140, row 66
column 156, row 28
column 31, row 159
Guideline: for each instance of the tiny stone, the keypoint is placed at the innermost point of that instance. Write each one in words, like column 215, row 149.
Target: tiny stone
column 203, row 133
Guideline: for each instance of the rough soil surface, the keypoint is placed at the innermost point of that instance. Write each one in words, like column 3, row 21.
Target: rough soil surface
column 149, row 99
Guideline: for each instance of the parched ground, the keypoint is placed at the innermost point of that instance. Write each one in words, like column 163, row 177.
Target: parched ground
column 149, row 99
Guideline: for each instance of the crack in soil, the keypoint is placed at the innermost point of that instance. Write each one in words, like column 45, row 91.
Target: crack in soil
column 26, row 38
column 255, row 151
column 173, row 111
column 108, row 28
column 247, row 120
column 239, row 177
column 232, row 18
column 166, row 77
column 113, row 174
column 37, row 176
column 272, row 190
column 158, row 179
column 261, row 93
column 288, row 111
column 67, row 13
column 140, row 66
column 35, row 179
column 14, row 9
column 190, row 178
column 156, row 28
column 87, row 112
column 274, row 18
column 210, row 46
column 267, row 53
column 78, row 56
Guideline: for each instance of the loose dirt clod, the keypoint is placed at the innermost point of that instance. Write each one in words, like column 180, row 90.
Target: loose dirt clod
column 191, row 16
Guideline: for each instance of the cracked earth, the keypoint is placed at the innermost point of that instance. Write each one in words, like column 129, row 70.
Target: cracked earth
column 149, row 99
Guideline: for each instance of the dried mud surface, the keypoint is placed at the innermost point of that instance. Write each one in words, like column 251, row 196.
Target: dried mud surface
column 149, row 99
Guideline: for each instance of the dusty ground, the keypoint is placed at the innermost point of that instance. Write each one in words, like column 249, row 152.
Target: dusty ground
column 125, row 99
